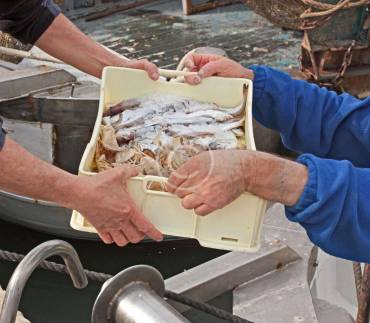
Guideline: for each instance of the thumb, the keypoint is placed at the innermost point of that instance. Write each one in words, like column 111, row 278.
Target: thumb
column 211, row 68
column 190, row 62
column 145, row 226
column 147, row 66
column 129, row 171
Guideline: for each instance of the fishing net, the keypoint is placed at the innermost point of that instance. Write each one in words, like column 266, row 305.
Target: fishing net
column 301, row 14
column 10, row 42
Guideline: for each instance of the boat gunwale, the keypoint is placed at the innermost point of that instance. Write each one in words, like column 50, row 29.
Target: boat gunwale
column 28, row 199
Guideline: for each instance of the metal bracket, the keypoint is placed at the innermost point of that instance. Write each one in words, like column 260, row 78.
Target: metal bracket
column 134, row 295
column 224, row 273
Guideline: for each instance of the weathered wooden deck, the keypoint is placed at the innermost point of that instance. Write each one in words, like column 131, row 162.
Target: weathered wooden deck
column 160, row 33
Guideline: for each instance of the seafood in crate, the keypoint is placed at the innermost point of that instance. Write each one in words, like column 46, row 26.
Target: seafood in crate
column 160, row 132
column 158, row 125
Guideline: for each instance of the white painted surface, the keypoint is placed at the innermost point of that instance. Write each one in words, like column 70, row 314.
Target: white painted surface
column 334, row 282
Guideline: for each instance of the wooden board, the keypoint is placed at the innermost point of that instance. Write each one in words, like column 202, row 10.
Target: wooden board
column 22, row 82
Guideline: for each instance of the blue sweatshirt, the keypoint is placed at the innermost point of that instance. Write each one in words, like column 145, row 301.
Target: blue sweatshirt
column 333, row 133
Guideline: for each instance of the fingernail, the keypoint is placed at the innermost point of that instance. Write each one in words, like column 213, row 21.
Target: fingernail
column 155, row 75
column 197, row 79
column 201, row 73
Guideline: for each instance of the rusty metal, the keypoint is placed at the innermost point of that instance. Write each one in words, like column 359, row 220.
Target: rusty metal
column 357, row 84
column 336, row 54
column 347, row 60
column 364, row 297
column 357, row 271
column 341, row 65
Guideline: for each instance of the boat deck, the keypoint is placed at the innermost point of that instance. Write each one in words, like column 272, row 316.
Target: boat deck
column 161, row 33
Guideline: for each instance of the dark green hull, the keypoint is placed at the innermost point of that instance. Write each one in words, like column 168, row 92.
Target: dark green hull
column 51, row 297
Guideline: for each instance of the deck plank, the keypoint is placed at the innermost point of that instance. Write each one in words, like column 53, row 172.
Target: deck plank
column 162, row 34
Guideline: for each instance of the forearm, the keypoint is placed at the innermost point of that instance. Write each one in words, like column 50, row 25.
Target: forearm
column 274, row 178
column 24, row 174
column 329, row 198
column 66, row 42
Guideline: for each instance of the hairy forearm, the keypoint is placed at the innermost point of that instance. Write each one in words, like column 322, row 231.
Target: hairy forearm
column 274, row 178
column 65, row 41
column 23, row 173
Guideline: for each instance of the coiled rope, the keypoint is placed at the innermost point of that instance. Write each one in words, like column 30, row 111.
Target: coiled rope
column 327, row 9
column 301, row 14
column 102, row 277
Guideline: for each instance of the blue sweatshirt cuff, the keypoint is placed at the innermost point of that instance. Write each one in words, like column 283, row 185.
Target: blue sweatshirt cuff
column 259, row 81
column 333, row 208
column 308, row 196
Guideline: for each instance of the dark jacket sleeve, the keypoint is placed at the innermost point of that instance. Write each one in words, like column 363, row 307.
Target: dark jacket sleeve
column 334, row 207
column 2, row 135
column 27, row 20
column 311, row 119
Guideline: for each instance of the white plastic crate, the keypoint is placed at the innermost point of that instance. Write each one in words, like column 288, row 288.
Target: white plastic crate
column 235, row 227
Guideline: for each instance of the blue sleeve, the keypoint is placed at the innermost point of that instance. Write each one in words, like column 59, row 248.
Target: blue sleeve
column 2, row 135
column 334, row 207
column 311, row 119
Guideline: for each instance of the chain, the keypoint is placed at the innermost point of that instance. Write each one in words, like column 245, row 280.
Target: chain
column 347, row 60
column 357, row 271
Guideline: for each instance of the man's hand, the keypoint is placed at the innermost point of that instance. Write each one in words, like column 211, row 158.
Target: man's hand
column 104, row 200
column 209, row 65
column 213, row 179
column 209, row 181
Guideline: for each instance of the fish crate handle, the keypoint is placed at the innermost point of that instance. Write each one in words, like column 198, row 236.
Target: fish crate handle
column 173, row 74
column 155, row 179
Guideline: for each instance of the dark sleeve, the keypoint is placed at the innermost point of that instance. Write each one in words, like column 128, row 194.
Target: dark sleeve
column 27, row 20
column 2, row 135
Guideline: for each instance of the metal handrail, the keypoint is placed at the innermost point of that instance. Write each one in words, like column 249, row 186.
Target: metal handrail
column 29, row 264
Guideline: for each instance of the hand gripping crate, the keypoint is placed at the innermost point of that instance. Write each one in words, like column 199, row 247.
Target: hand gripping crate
column 235, row 227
